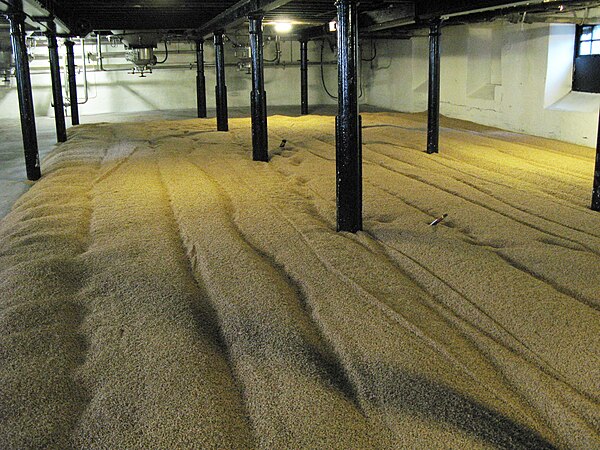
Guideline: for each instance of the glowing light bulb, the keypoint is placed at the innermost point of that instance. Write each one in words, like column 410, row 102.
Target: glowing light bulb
column 282, row 27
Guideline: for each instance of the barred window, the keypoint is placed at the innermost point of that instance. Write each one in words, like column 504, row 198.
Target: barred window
column 586, row 74
column 589, row 40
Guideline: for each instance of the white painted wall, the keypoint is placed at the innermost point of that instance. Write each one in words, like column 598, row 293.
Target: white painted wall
column 514, row 77
column 119, row 91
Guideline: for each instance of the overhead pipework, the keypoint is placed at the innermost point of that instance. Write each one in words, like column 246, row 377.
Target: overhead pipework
column 243, row 53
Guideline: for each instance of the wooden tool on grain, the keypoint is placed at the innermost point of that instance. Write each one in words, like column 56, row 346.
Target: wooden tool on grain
column 438, row 220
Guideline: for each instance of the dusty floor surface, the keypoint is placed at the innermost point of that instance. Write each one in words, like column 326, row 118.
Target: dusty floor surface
column 160, row 290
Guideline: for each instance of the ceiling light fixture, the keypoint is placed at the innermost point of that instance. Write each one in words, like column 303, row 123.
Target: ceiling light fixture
column 282, row 27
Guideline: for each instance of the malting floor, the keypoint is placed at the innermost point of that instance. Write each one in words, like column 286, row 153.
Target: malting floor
column 158, row 289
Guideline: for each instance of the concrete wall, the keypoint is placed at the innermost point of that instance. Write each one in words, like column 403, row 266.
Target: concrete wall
column 514, row 77
column 119, row 91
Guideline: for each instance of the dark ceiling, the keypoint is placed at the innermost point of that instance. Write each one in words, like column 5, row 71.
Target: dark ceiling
column 88, row 15
column 84, row 16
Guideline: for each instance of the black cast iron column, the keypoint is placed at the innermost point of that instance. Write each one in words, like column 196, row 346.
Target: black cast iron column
column 200, row 79
column 348, row 121
column 72, row 83
column 221, row 88
column 59, row 107
column 304, row 77
column 433, row 122
column 16, row 18
column 596, row 191
column 258, row 96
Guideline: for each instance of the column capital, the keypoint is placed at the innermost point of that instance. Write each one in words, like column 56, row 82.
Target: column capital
column 14, row 15
column 435, row 25
column 339, row 3
column 51, row 26
column 218, row 37
column 255, row 24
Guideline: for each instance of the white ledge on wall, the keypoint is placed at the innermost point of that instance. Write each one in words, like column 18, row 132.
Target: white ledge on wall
column 578, row 102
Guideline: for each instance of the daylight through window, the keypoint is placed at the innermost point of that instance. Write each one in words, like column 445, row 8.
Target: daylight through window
column 589, row 40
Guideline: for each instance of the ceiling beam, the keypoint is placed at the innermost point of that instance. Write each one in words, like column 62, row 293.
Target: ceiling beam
column 390, row 17
column 318, row 32
column 33, row 9
column 430, row 9
column 548, row 6
column 237, row 14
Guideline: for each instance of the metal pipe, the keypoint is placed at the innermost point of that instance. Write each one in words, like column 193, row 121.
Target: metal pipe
column 258, row 96
column 348, row 121
column 200, row 79
column 99, row 52
column 596, row 189
column 277, row 59
column 189, row 66
column 493, row 8
column 433, row 116
column 304, row 77
column 221, row 88
column 59, row 108
column 65, row 74
column 85, row 78
column 100, row 57
column 123, row 54
column 72, row 83
column 16, row 18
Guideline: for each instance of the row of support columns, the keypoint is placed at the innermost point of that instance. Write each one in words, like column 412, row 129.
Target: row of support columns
column 16, row 18
column 348, row 120
column 304, row 77
column 72, row 83
column 200, row 79
column 59, row 107
column 433, row 109
column 221, row 88
column 258, row 96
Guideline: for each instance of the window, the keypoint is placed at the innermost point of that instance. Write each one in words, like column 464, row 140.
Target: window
column 589, row 40
column 586, row 76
